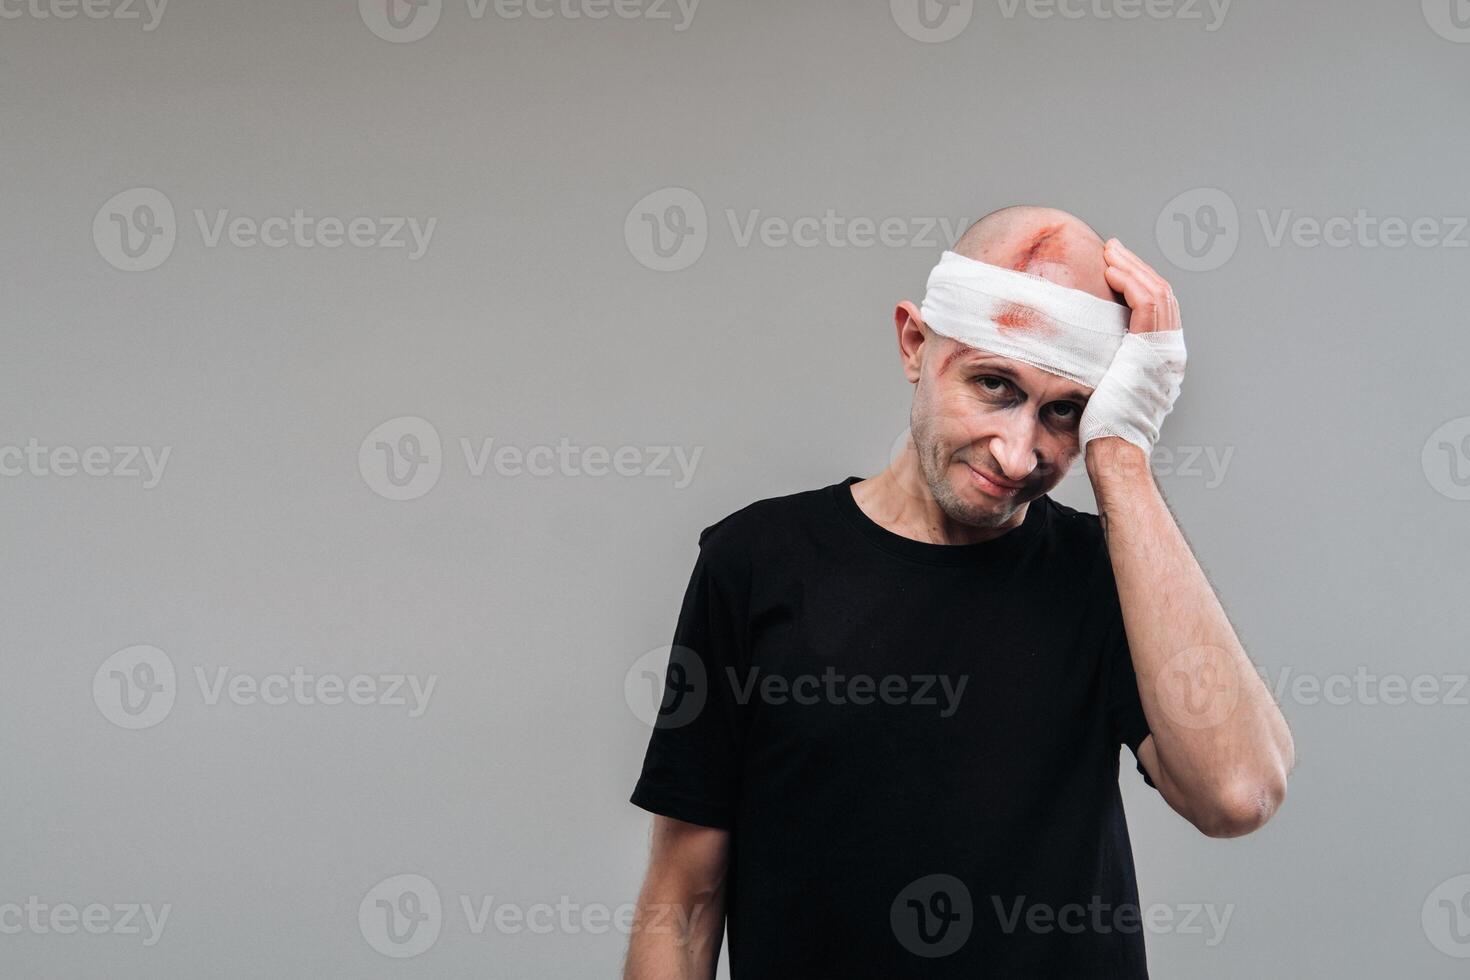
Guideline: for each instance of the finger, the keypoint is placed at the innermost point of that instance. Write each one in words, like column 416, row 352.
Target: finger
column 1149, row 309
column 1150, row 270
column 1127, row 281
column 1169, row 311
column 1152, row 290
column 1144, row 301
column 1126, row 256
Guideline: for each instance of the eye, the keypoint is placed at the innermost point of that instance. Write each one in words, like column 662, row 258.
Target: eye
column 1000, row 383
column 1068, row 412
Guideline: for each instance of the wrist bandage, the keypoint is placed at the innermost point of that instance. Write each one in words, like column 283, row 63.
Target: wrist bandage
column 1135, row 377
column 1138, row 391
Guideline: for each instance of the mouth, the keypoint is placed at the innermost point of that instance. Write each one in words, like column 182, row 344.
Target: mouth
column 992, row 485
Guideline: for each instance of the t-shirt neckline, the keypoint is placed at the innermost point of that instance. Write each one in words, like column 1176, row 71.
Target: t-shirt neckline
column 1008, row 545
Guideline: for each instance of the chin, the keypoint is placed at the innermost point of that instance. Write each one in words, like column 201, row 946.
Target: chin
column 966, row 503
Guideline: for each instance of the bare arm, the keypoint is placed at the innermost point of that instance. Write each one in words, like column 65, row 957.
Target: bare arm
column 1220, row 750
column 680, row 921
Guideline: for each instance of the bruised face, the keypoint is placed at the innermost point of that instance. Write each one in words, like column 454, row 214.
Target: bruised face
column 992, row 433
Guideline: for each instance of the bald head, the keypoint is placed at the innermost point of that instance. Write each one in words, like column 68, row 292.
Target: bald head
column 1045, row 242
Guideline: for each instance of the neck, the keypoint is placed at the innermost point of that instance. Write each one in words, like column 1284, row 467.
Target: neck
column 899, row 500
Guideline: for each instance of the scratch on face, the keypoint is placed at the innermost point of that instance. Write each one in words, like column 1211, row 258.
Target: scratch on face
column 1046, row 246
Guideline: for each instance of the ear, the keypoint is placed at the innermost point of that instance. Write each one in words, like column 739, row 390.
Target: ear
column 911, row 336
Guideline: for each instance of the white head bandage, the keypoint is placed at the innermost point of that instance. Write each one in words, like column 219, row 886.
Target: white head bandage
column 1065, row 332
column 1014, row 314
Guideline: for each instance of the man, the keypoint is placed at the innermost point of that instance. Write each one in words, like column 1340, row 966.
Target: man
column 889, row 740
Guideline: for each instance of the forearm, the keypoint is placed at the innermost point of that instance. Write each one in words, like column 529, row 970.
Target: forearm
column 1219, row 737
column 676, row 940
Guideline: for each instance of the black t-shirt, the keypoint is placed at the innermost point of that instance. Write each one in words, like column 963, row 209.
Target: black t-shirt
column 915, row 746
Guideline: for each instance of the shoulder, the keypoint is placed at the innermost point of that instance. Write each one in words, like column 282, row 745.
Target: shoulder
column 758, row 536
column 765, row 532
column 762, row 520
column 1077, row 531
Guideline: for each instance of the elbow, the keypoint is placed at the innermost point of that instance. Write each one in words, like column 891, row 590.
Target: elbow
column 1243, row 807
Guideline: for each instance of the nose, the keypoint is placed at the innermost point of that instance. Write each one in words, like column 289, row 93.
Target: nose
column 1014, row 446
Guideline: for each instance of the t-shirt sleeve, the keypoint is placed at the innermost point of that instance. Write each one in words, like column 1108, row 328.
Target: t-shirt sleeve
column 1126, row 719
column 691, row 770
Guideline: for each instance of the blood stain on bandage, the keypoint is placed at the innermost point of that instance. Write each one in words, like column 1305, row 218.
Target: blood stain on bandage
column 1015, row 318
column 1044, row 252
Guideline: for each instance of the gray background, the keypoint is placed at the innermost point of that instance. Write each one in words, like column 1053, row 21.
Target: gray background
column 1335, row 535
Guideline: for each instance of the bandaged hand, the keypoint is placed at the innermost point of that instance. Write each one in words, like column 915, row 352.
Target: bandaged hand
column 1143, row 380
